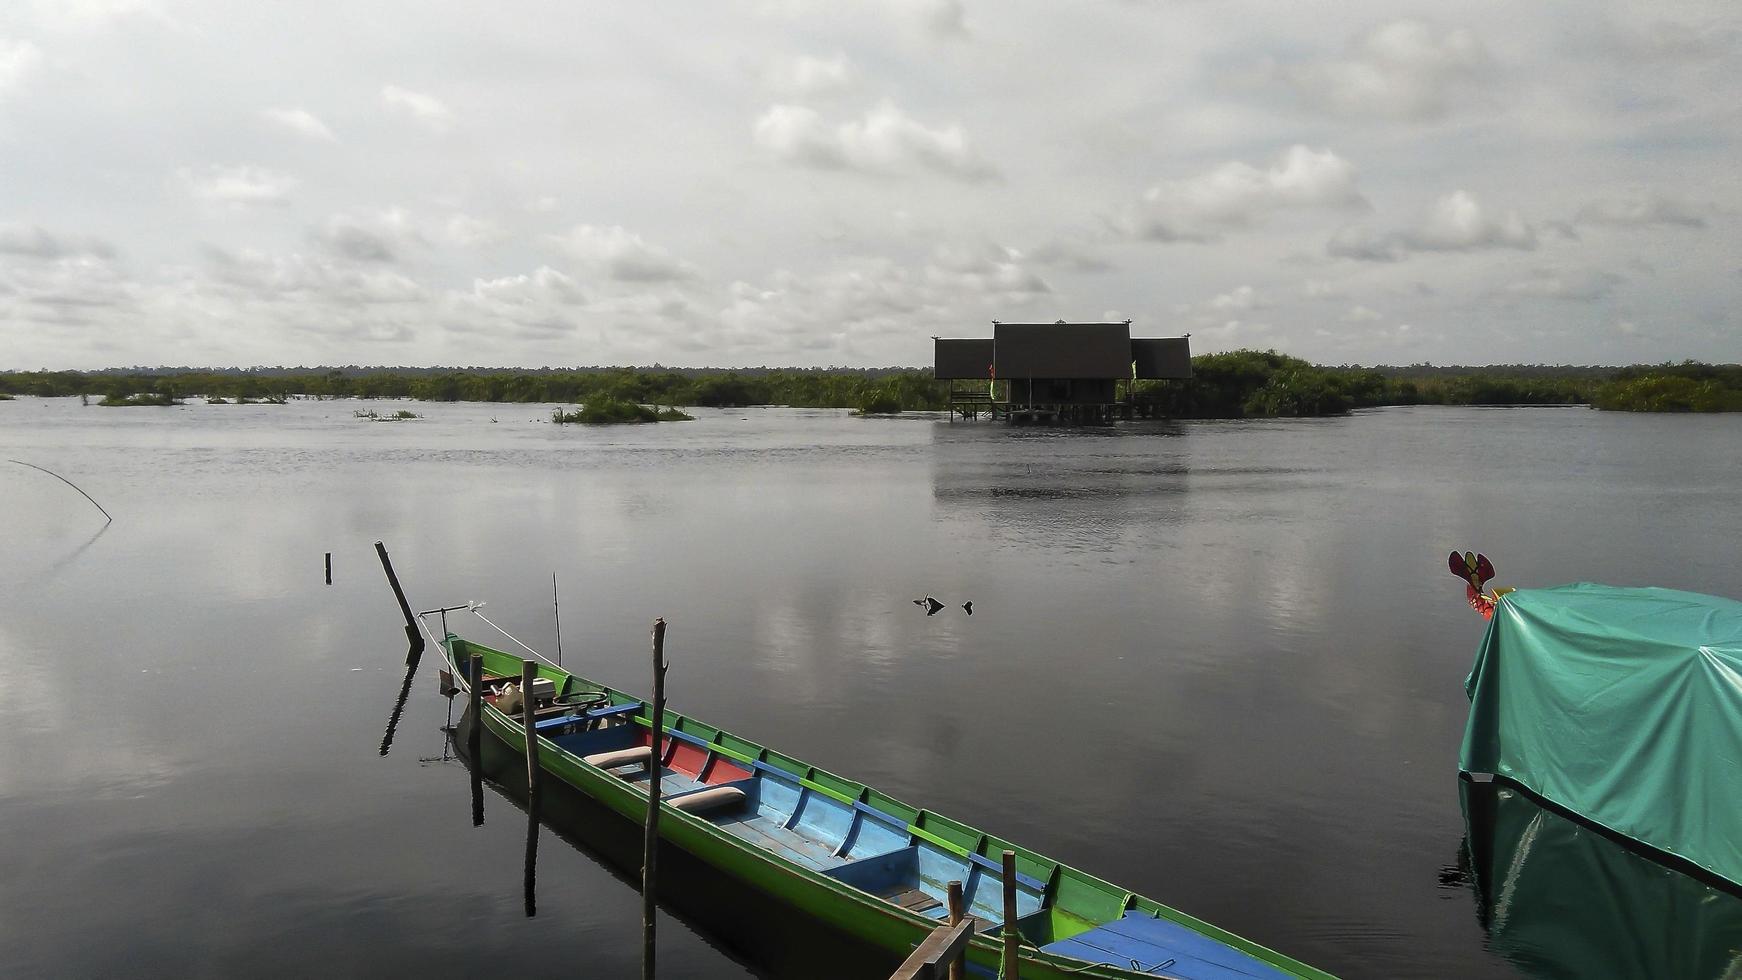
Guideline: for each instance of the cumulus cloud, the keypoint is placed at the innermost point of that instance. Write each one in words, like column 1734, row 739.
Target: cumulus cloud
column 357, row 240
column 33, row 241
column 1407, row 69
column 886, row 140
column 987, row 269
column 623, row 255
column 1237, row 196
column 301, row 122
column 303, row 280
column 942, row 18
column 1668, row 42
column 238, row 186
column 1641, row 211
column 808, row 75
column 67, row 290
column 1456, row 222
column 428, row 110
column 540, row 305
column 18, row 59
column 1073, row 256
column 1573, row 285
column 467, row 231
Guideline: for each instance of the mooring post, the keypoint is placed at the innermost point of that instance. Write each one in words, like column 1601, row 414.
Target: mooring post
column 475, row 737
column 529, row 725
column 958, row 969
column 411, row 633
column 1011, row 936
column 650, row 845
column 329, row 568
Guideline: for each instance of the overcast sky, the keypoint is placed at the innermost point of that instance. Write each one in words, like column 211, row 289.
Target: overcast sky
column 790, row 182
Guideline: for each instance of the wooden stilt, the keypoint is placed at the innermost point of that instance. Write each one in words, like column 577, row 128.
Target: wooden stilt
column 958, row 968
column 1011, row 937
column 475, row 738
column 411, row 634
column 529, row 725
column 650, row 844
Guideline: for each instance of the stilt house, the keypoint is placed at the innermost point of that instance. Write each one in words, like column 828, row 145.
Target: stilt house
column 1057, row 372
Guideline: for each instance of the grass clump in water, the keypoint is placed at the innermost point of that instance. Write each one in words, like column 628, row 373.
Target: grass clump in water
column 143, row 398
column 608, row 411
column 400, row 416
column 881, row 402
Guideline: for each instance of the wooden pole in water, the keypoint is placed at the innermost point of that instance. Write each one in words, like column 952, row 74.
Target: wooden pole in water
column 411, row 632
column 958, row 969
column 650, row 844
column 529, row 725
column 475, row 738
column 1011, row 936
column 329, row 568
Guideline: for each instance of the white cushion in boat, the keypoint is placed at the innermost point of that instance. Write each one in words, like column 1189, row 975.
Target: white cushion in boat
column 709, row 799
column 639, row 755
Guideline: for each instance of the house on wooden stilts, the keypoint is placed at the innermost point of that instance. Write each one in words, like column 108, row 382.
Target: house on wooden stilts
column 1057, row 373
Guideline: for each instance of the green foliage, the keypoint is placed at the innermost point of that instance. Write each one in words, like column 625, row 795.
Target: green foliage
column 217, row 401
column 607, row 410
column 1687, row 387
column 117, row 400
column 4, row 397
column 880, row 402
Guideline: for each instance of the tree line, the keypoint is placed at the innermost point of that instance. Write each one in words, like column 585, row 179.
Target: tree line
column 1236, row 384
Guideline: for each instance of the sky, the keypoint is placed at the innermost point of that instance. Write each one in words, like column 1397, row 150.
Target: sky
column 789, row 182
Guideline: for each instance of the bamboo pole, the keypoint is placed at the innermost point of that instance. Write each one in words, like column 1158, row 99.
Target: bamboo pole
column 475, row 739
column 1011, row 936
column 650, row 844
column 411, row 632
column 529, row 726
column 958, row 969
column 329, row 568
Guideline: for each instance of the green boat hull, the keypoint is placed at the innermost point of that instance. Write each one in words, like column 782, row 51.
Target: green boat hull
column 1072, row 896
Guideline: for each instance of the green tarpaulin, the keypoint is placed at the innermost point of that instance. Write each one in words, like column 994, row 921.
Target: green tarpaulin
column 1622, row 705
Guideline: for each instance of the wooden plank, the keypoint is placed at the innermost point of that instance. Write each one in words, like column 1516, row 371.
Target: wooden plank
column 945, row 944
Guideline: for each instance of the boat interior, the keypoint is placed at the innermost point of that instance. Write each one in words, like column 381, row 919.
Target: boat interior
column 861, row 838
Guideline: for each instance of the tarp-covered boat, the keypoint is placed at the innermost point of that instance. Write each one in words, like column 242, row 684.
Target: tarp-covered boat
column 856, row 859
column 1623, row 705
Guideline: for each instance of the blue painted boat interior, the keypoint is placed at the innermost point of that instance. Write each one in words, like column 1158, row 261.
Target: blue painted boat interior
column 857, row 845
column 1149, row 945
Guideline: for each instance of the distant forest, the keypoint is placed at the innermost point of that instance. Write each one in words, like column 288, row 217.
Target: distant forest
column 1237, row 384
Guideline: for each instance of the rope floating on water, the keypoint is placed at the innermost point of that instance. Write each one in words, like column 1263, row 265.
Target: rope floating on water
column 68, row 482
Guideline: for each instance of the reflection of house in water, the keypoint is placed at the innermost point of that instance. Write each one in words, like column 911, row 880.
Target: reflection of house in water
column 1058, row 372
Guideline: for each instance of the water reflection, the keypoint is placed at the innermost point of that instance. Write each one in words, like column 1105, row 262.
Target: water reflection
column 1560, row 899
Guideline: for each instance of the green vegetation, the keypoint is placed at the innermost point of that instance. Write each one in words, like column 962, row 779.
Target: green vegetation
column 399, row 416
column 1237, row 384
column 880, row 402
column 607, row 410
column 4, row 397
column 1687, row 387
column 113, row 400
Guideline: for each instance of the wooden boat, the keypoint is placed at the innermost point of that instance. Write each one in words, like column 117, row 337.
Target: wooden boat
column 858, row 860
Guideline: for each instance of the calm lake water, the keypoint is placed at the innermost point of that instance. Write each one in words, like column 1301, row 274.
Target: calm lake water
column 1219, row 663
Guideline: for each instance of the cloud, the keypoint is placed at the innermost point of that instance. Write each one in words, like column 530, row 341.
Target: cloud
column 986, row 269
column 942, row 18
column 238, row 186
column 1408, row 70
column 1456, row 222
column 428, row 110
column 1573, row 285
column 540, row 306
column 469, row 232
column 1639, row 212
column 1240, row 298
column 1069, row 255
column 18, row 60
column 1667, row 42
column 1237, row 196
column 301, row 122
column 886, row 140
column 807, row 75
column 622, row 255
column 1362, row 314
column 355, row 240
column 33, row 241
column 303, row 280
